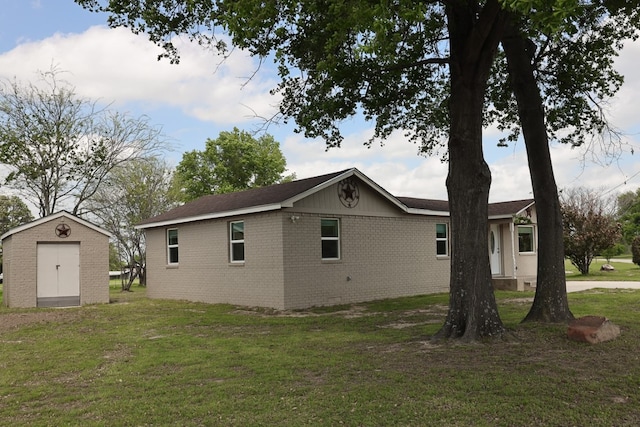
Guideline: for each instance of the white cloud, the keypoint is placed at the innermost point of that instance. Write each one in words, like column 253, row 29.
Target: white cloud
column 115, row 65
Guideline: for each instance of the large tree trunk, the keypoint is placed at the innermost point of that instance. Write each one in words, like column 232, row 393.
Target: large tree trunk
column 473, row 312
column 550, row 303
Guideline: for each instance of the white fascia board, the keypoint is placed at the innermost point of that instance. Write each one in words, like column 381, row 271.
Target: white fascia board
column 52, row 217
column 215, row 215
column 427, row 212
column 506, row 216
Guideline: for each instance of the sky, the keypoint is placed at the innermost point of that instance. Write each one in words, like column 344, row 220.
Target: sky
column 201, row 97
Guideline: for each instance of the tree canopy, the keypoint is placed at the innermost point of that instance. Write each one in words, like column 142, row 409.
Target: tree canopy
column 13, row 213
column 234, row 161
column 589, row 226
column 629, row 214
column 59, row 147
column 131, row 193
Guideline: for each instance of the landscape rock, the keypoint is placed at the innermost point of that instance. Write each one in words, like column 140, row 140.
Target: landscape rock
column 607, row 267
column 592, row 329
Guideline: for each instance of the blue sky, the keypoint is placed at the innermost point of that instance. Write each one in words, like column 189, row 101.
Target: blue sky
column 198, row 99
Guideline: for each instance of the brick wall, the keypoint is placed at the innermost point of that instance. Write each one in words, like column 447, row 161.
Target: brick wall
column 381, row 257
column 204, row 272
column 20, row 262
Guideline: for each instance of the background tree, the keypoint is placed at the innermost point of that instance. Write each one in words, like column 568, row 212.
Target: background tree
column 132, row 192
column 418, row 68
column 13, row 213
column 59, row 147
column 115, row 262
column 629, row 215
column 234, row 161
column 589, row 226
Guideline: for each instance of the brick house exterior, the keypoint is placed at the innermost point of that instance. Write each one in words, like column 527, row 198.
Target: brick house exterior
column 59, row 260
column 332, row 239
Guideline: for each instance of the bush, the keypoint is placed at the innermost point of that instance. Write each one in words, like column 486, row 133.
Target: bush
column 615, row 250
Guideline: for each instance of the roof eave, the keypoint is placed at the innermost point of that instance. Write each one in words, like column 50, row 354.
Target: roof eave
column 427, row 212
column 214, row 215
column 52, row 217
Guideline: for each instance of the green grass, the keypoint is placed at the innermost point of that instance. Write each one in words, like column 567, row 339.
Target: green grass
column 150, row 362
column 624, row 271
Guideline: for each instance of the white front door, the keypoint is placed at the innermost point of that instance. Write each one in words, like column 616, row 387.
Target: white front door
column 495, row 257
column 58, row 274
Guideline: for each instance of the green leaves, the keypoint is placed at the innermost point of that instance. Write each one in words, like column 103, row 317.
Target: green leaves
column 234, row 161
column 59, row 147
column 589, row 226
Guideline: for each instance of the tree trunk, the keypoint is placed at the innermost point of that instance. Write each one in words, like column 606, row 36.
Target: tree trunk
column 550, row 303
column 473, row 312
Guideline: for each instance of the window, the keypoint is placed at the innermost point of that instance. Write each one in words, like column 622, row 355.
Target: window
column 330, row 232
column 172, row 246
column 236, row 237
column 525, row 239
column 442, row 240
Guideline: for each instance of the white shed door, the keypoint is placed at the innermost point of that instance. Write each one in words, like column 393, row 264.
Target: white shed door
column 58, row 281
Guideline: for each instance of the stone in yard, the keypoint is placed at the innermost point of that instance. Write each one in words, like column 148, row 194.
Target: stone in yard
column 592, row 329
column 607, row 267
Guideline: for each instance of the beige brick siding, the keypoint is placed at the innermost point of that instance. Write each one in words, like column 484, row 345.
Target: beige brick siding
column 20, row 262
column 384, row 257
column 204, row 272
column 381, row 257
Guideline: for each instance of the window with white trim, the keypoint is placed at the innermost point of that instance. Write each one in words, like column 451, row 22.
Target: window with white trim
column 442, row 239
column 330, row 238
column 236, row 239
column 172, row 246
column 526, row 242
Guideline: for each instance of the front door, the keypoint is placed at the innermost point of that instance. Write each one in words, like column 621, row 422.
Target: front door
column 495, row 257
column 58, row 275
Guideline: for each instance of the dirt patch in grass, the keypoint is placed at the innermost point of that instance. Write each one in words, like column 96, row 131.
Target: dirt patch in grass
column 9, row 321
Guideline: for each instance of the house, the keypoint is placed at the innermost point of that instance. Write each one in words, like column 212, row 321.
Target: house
column 56, row 261
column 331, row 239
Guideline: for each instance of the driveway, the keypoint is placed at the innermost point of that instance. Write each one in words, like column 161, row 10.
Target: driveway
column 575, row 286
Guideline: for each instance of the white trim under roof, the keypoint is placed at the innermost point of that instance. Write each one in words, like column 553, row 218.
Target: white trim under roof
column 214, row 215
column 51, row 218
column 428, row 212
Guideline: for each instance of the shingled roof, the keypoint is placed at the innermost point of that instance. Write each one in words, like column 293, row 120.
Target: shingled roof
column 508, row 209
column 257, row 199
column 426, row 204
column 280, row 196
column 496, row 210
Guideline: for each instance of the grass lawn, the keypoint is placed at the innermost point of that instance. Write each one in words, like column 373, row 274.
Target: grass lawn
column 139, row 362
column 624, row 271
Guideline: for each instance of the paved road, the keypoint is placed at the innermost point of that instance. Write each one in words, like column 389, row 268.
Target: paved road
column 575, row 286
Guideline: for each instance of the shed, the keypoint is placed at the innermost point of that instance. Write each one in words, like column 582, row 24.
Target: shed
column 60, row 260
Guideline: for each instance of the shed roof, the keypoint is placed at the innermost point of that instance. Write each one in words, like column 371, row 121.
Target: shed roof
column 52, row 217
